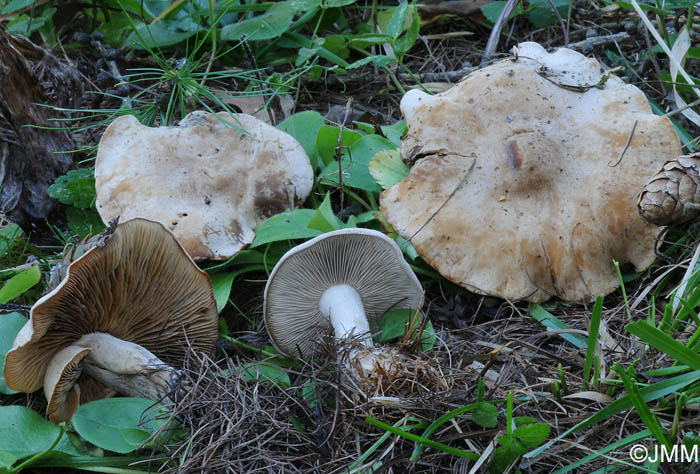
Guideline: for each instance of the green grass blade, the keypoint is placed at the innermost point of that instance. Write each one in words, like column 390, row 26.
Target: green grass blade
column 383, row 438
column 548, row 320
column 596, row 316
column 438, row 423
column 649, row 419
column 611, row 447
column 419, row 439
column 665, row 343
column 648, row 394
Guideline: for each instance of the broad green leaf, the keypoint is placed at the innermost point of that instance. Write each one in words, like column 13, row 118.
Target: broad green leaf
column 221, row 284
column 380, row 60
column 367, row 39
column 393, row 324
column 406, row 42
column 305, row 126
column 285, row 226
column 26, row 433
column 532, row 434
column 83, row 222
column 338, row 3
column 355, row 163
column 492, row 10
column 324, row 220
column 24, row 25
column 394, row 132
column 305, row 5
column 387, row 168
column 510, row 449
column 337, row 44
column 9, row 237
column 327, row 141
column 541, row 13
column 397, row 21
column 254, row 371
column 485, row 415
column 365, row 217
column 161, row 34
column 270, row 24
column 20, row 283
column 301, row 41
column 118, row 424
column 10, row 325
column 75, row 188
column 15, row 5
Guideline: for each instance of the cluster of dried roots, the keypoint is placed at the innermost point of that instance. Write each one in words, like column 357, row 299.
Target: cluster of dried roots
column 315, row 425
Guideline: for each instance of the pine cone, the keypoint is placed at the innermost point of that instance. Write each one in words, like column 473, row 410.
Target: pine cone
column 672, row 196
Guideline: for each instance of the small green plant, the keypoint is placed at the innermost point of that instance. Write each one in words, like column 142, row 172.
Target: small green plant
column 522, row 433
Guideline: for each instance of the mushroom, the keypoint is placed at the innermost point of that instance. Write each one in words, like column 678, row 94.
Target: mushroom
column 344, row 278
column 211, row 180
column 121, row 320
column 525, row 176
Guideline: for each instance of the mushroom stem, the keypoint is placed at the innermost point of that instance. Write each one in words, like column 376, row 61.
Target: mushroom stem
column 342, row 305
column 127, row 367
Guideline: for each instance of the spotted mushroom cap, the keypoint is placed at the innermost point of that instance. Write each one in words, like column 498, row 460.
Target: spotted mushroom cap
column 365, row 259
column 210, row 183
column 524, row 177
column 138, row 285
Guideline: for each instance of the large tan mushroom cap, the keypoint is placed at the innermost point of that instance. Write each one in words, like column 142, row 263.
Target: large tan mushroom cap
column 545, row 208
column 139, row 285
column 205, row 180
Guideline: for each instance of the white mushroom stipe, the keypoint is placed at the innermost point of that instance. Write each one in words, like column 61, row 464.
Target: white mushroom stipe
column 342, row 305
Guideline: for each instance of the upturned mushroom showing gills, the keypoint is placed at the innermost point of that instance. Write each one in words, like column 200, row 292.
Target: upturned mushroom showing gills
column 121, row 319
column 525, row 175
column 211, row 180
column 343, row 279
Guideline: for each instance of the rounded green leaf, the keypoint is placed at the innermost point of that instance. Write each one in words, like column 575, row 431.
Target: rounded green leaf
column 118, row 424
column 388, row 168
column 270, row 24
column 26, row 433
column 286, row 226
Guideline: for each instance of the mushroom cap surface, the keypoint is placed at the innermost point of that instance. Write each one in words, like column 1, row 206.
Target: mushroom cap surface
column 207, row 181
column 524, row 184
column 365, row 259
column 139, row 285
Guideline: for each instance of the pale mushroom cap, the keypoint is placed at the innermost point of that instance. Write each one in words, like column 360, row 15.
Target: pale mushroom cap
column 207, row 181
column 545, row 209
column 140, row 286
column 365, row 259
column 60, row 386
